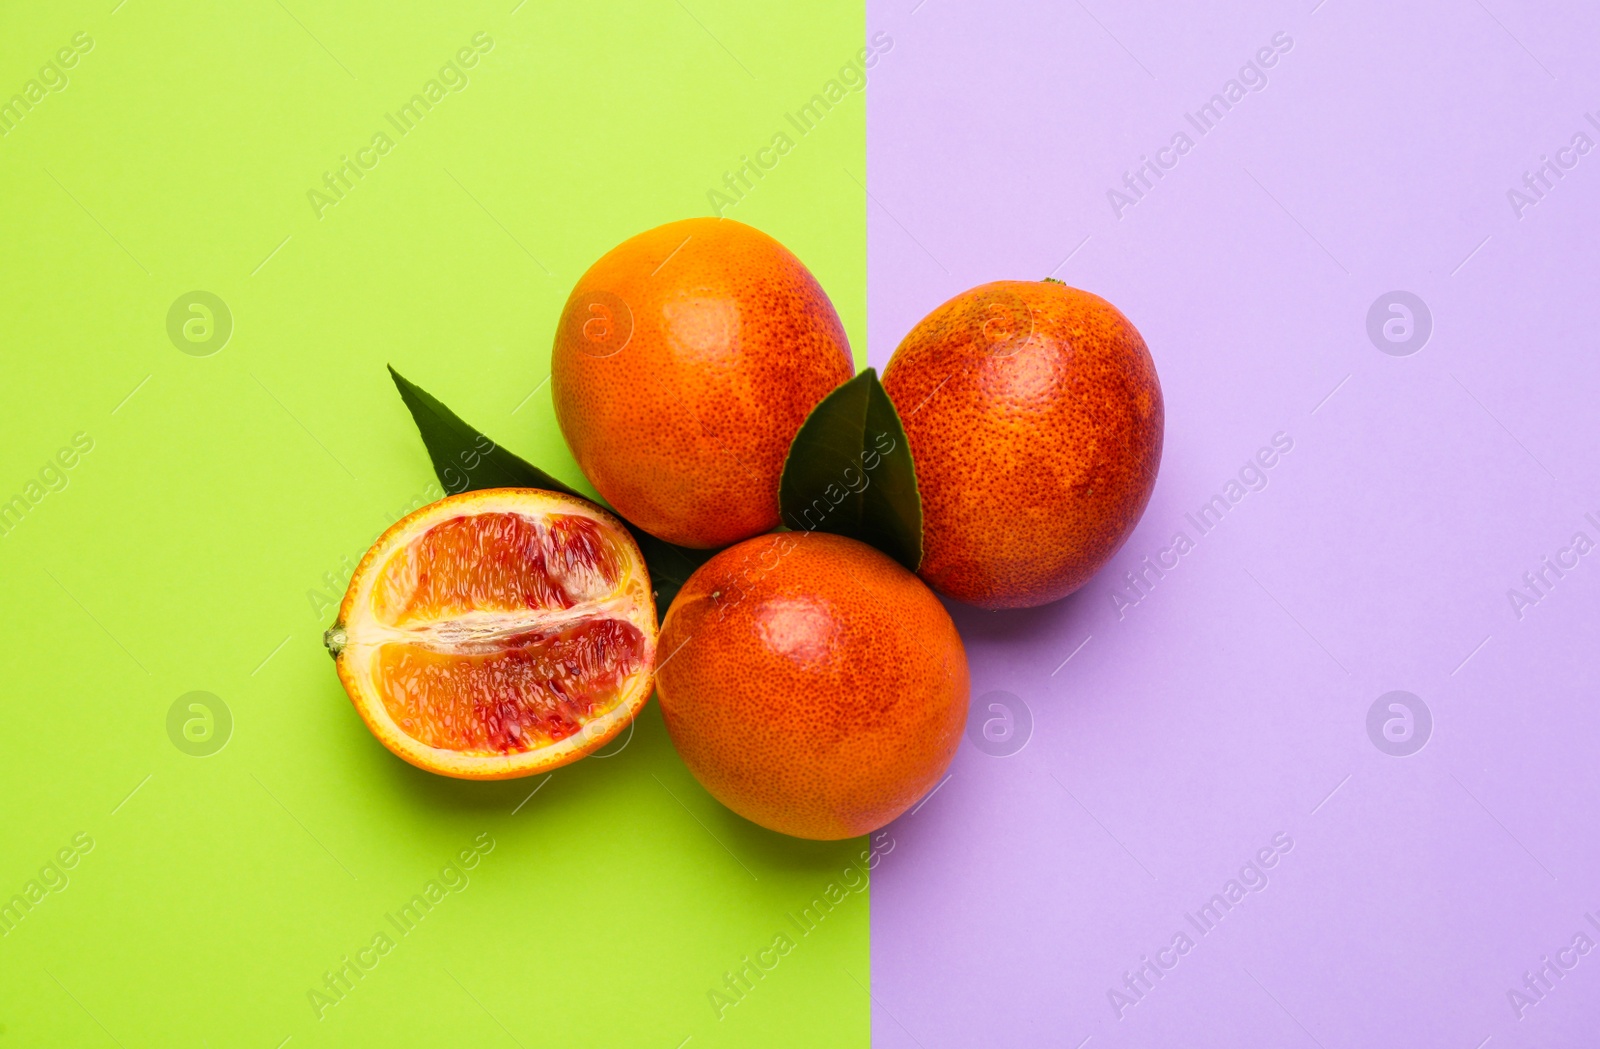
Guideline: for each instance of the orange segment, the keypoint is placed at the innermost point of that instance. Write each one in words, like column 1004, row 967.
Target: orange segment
column 498, row 633
column 497, row 562
column 524, row 693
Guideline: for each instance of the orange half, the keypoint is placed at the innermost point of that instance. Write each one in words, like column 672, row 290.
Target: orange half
column 498, row 633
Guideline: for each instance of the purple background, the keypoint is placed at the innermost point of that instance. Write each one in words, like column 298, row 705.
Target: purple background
column 1231, row 702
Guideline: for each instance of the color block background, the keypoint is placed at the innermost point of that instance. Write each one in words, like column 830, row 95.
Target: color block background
column 1169, row 729
column 1173, row 739
column 226, row 496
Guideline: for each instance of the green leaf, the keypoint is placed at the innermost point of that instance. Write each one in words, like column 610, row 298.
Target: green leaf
column 463, row 457
column 850, row 472
column 466, row 460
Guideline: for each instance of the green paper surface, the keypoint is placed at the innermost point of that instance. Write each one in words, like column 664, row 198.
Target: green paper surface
column 166, row 592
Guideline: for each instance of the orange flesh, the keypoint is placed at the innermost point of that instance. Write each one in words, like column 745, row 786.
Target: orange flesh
column 514, row 646
column 496, row 562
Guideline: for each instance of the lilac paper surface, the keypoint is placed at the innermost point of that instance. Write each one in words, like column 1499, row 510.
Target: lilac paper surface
column 1179, row 730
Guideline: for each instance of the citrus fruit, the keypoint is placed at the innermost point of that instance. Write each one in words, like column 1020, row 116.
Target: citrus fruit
column 684, row 362
column 498, row 633
column 1034, row 417
column 812, row 684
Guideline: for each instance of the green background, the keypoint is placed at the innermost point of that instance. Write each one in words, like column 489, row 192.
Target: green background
column 188, row 546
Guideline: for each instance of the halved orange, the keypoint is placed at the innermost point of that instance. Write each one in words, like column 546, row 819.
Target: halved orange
column 498, row 633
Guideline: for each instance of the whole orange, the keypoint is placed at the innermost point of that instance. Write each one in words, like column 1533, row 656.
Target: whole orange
column 685, row 361
column 812, row 684
column 1034, row 416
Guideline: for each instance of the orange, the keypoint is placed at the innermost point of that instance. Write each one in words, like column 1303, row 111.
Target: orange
column 684, row 363
column 498, row 633
column 1034, row 417
column 811, row 684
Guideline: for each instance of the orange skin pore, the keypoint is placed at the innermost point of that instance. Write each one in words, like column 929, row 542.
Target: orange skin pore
column 812, row 684
column 1035, row 420
column 684, row 363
